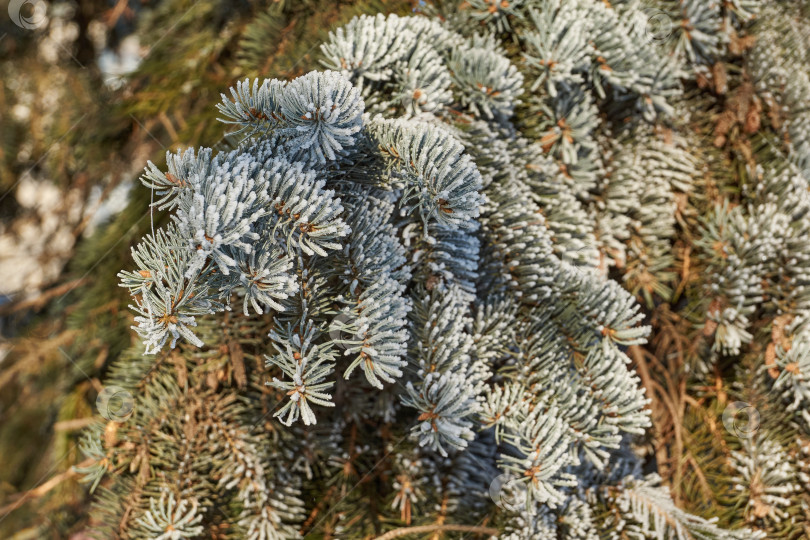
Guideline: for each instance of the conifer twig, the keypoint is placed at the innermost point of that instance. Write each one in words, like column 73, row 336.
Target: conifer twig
column 18, row 499
column 404, row 531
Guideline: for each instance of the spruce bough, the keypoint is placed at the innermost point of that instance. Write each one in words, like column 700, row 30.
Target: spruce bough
column 397, row 278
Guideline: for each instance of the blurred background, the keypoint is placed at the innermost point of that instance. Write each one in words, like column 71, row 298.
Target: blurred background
column 89, row 91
